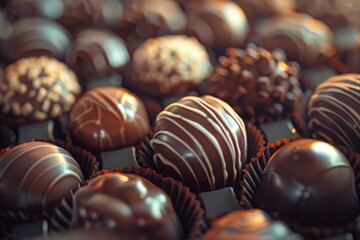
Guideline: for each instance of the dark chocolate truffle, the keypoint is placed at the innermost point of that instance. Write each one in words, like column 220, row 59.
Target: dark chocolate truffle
column 200, row 141
column 256, row 82
column 334, row 111
column 36, row 37
column 169, row 64
column 105, row 119
column 96, row 53
column 35, row 176
column 127, row 204
column 302, row 37
column 217, row 23
column 310, row 182
column 37, row 88
column 249, row 224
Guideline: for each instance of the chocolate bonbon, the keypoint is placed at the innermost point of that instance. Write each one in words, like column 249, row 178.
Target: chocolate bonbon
column 309, row 181
column 200, row 141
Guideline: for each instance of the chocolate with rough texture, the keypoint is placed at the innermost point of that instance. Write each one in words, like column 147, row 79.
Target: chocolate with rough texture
column 36, row 89
column 108, row 118
column 35, row 176
column 201, row 142
column 334, row 111
column 310, row 182
column 128, row 205
column 249, row 224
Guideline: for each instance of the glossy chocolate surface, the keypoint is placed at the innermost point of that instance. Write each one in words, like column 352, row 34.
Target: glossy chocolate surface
column 256, row 82
column 201, row 142
column 96, row 53
column 126, row 204
column 36, row 89
column 105, row 119
column 249, row 224
column 36, row 37
column 310, row 182
column 35, row 176
column 217, row 23
column 334, row 111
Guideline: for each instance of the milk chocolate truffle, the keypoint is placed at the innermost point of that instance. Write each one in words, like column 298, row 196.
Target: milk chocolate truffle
column 108, row 118
column 303, row 38
column 334, row 111
column 36, row 89
column 169, row 65
column 200, row 141
column 310, row 182
column 96, row 53
column 256, row 82
column 249, row 224
column 217, row 23
column 35, row 176
column 36, row 37
column 128, row 205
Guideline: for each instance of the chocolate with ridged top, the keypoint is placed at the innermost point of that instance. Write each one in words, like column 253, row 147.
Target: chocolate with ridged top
column 249, row 224
column 108, row 118
column 36, row 37
column 128, row 205
column 256, row 82
column 200, row 141
column 35, row 176
column 96, row 53
column 310, row 182
column 334, row 111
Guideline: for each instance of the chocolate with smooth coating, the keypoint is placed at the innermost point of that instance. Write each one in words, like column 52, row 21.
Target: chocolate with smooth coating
column 200, row 141
column 310, row 182
column 35, row 176
column 126, row 204
column 108, row 118
column 249, row 224
column 334, row 111
column 36, row 89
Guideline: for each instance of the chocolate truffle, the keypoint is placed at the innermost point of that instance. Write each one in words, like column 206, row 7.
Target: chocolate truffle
column 217, row 23
column 37, row 88
column 36, row 37
column 256, row 82
column 169, row 64
column 20, row 9
column 334, row 111
column 35, row 176
column 105, row 119
column 249, row 224
column 127, row 204
column 302, row 37
column 96, row 53
column 200, row 141
column 310, row 182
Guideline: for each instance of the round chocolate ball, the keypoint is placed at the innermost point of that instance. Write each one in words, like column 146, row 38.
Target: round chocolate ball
column 108, row 118
column 256, row 82
column 36, row 89
column 127, row 204
column 36, row 37
column 96, row 53
column 35, row 176
column 334, row 111
column 303, row 38
column 169, row 65
column 311, row 182
column 200, row 141
column 217, row 23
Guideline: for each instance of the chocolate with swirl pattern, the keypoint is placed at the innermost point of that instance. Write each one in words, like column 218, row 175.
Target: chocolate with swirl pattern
column 108, row 118
column 200, row 141
column 334, row 111
column 35, row 176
